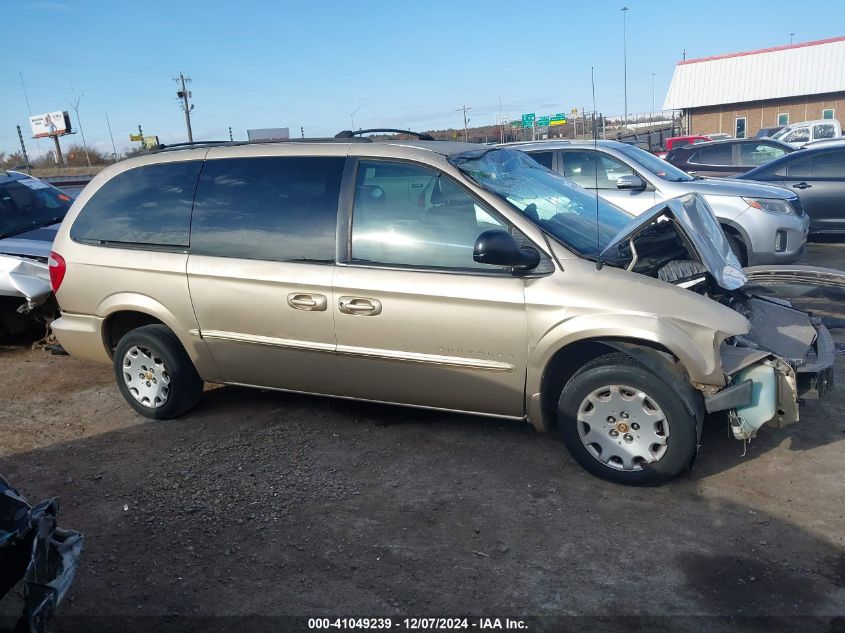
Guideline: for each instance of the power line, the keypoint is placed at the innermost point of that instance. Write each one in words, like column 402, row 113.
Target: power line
column 75, row 106
column 184, row 94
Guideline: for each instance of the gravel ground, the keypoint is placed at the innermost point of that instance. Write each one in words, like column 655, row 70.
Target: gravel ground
column 275, row 504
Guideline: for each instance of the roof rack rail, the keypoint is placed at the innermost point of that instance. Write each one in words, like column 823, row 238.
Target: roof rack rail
column 350, row 133
column 187, row 145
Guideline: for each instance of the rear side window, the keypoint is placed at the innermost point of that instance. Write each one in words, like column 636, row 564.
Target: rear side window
column 276, row 208
column 721, row 154
column 758, row 153
column 146, row 205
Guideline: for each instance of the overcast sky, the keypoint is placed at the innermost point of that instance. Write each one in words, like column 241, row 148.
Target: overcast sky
column 398, row 63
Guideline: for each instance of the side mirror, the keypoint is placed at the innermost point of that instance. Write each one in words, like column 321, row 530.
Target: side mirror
column 498, row 248
column 630, row 182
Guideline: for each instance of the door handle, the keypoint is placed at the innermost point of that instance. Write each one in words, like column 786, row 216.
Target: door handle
column 359, row 305
column 309, row 303
column 801, row 185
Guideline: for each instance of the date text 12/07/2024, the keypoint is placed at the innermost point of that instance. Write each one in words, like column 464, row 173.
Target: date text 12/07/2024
column 417, row 624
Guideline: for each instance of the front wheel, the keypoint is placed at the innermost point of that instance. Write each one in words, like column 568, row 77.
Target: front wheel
column 155, row 374
column 623, row 423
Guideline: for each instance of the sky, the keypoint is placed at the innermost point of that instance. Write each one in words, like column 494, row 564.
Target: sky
column 396, row 63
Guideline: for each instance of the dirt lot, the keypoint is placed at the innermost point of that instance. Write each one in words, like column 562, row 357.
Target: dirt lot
column 274, row 504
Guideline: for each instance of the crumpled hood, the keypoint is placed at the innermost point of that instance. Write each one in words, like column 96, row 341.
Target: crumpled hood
column 731, row 187
column 694, row 218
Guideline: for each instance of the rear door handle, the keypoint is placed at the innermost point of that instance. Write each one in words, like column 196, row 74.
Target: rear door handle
column 801, row 185
column 361, row 306
column 307, row 302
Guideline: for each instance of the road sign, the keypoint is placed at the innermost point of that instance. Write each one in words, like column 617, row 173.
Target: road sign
column 574, row 112
column 558, row 119
column 528, row 120
column 543, row 121
column 136, row 137
column 516, row 123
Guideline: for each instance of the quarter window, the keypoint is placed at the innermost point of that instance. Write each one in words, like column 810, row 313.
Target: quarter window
column 276, row 208
column 824, row 130
column 740, row 127
column 800, row 135
column 783, row 118
column 146, row 205
column 407, row 215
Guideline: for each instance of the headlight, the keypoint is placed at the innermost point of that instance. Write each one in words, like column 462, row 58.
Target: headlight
column 772, row 205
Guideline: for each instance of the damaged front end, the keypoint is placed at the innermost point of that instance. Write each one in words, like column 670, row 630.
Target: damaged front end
column 34, row 549
column 26, row 297
column 786, row 356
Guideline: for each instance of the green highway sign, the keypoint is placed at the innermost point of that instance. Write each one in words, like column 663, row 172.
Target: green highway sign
column 543, row 121
column 558, row 119
column 528, row 120
column 516, row 123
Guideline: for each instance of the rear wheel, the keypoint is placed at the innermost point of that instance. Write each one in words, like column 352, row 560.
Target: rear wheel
column 155, row 374
column 623, row 423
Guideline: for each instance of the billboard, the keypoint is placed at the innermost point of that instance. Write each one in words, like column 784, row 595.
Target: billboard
column 50, row 124
column 269, row 134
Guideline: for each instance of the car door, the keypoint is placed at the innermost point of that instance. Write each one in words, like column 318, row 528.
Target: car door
column 417, row 320
column 263, row 242
column 817, row 177
column 598, row 171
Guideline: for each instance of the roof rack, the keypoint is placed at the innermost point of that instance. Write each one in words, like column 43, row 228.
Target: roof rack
column 199, row 144
column 348, row 134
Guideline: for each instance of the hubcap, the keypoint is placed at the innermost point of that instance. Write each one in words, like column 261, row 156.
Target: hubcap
column 622, row 427
column 146, row 377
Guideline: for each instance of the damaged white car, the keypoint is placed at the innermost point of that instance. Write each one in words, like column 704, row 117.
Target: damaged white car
column 30, row 213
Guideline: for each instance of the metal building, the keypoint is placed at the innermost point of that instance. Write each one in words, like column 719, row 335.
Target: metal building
column 739, row 93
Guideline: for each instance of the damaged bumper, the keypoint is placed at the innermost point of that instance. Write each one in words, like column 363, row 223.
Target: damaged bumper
column 25, row 278
column 788, row 358
column 34, row 549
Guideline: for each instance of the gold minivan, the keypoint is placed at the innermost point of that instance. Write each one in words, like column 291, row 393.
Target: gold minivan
column 431, row 274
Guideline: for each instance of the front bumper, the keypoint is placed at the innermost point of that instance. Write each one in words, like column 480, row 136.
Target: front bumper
column 775, row 239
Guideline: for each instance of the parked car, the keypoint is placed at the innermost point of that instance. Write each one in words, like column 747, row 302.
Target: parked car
column 726, row 158
column 763, row 225
column 767, row 132
column 817, row 175
column 30, row 213
column 675, row 142
column 432, row 274
column 799, row 134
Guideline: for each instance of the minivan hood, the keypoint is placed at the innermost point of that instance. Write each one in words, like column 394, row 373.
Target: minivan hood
column 694, row 218
column 731, row 187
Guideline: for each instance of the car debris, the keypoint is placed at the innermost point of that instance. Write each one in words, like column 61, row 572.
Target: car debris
column 33, row 549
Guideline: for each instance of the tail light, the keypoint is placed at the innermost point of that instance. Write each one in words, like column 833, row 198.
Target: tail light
column 58, row 267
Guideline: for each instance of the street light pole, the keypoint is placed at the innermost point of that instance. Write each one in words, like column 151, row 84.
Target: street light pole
column 652, row 98
column 625, row 61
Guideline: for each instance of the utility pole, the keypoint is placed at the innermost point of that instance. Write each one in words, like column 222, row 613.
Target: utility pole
column 301, row 132
column 791, row 35
column 184, row 94
column 111, row 136
column 75, row 106
column 29, row 109
column 230, row 134
column 351, row 117
column 140, row 131
column 23, row 150
column 625, row 61
column 464, row 109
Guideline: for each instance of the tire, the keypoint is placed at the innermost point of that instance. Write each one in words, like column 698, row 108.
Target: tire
column 164, row 388
column 738, row 248
column 639, row 454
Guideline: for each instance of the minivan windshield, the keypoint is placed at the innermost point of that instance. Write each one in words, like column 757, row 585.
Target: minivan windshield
column 29, row 203
column 577, row 218
column 654, row 164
